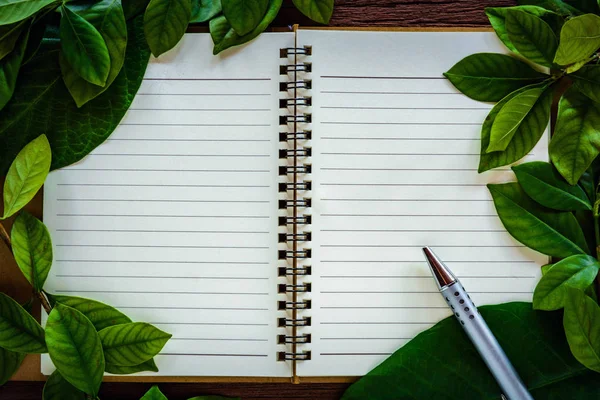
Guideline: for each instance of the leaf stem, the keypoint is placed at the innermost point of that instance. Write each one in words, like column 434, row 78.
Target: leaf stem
column 45, row 303
column 5, row 237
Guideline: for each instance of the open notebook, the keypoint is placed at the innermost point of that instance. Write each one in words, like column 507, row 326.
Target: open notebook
column 267, row 207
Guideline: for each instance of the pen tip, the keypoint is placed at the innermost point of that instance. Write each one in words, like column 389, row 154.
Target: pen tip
column 440, row 272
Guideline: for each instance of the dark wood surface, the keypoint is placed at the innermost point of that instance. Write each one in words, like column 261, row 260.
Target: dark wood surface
column 363, row 13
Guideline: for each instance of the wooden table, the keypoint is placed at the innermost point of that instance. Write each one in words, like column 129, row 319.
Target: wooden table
column 366, row 13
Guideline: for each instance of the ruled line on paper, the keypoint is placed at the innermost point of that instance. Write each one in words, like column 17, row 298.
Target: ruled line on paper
column 160, row 185
column 212, row 355
column 169, row 262
column 205, row 79
column 203, row 94
column 170, row 201
column 158, row 277
column 402, row 108
column 148, row 292
column 155, row 231
column 390, row 93
column 166, row 246
column 384, row 77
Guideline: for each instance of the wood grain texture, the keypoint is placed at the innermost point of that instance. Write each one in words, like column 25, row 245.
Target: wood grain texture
column 347, row 13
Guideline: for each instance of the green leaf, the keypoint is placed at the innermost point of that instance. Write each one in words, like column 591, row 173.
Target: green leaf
column 165, row 22
column 42, row 104
column 10, row 361
column 26, row 175
column 490, row 77
column 18, row 10
column 233, row 39
column 442, row 363
column 108, row 18
column 133, row 8
column 8, row 37
column 553, row 233
column 318, row 10
column 100, row 315
column 19, row 331
column 581, row 320
column 75, row 348
column 557, row 6
column 32, row 248
column 219, row 28
column 585, row 6
column 531, row 36
column 512, row 115
column 149, row 365
column 132, row 343
column 154, row 394
column 577, row 271
column 205, row 10
column 244, row 15
column 9, row 70
column 84, row 48
column 58, row 388
column 544, row 184
column 497, row 17
column 587, row 81
column 528, row 134
column 579, row 39
column 576, row 140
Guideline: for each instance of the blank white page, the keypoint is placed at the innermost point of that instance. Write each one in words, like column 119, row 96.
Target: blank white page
column 395, row 155
column 173, row 219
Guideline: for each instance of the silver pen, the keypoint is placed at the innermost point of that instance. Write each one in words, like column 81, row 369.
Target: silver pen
column 477, row 330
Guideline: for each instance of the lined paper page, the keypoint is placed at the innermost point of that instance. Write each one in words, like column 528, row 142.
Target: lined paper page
column 395, row 155
column 174, row 219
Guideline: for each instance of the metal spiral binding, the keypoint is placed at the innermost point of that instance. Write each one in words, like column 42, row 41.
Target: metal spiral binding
column 295, row 185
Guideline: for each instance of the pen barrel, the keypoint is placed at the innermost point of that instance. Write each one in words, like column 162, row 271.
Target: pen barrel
column 485, row 342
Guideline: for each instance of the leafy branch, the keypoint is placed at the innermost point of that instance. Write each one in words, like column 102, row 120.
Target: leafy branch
column 70, row 69
column 553, row 208
column 83, row 337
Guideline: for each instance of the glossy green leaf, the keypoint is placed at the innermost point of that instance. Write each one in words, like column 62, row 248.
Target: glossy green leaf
column 165, row 22
column 577, row 271
column 84, row 48
column 18, row 10
column 19, row 331
column 558, row 6
column 553, row 233
column 133, row 343
column 32, row 248
column 75, row 348
column 58, row 388
column 581, row 320
column 219, row 28
column 205, row 10
column 544, row 184
column 8, row 37
column 231, row 38
column 108, row 18
column 100, row 315
column 587, row 81
column 512, row 115
column 531, row 36
column 26, row 175
column 42, row 104
column 497, row 18
column 528, row 134
column 154, row 394
column 318, row 10
column 490, row 77
column 244, row 15
column 10, row 361
column 576, row 140
column 441, row 362
column 579, row 39
column 149, row 365
column 9, row 70
column 133, row 8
